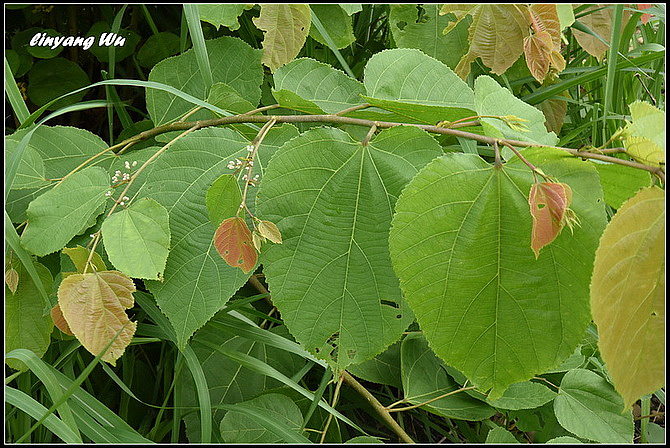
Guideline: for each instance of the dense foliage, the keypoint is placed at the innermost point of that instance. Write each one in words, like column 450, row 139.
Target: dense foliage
column 287, row 223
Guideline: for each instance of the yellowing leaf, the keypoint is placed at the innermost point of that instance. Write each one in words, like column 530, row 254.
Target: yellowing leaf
column 12, row 279
column 79, row 256
column 628, row 295
column 269, row 230
column 234, row 242
column 537, row 48
column 93, row 305
column 645, row 135
column 598, row 19
column 495, row 35
column 549, row 202
column 286, row 28
column 59, row 321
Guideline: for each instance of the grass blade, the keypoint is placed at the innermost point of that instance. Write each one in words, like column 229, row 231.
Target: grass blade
column 329, row 41
column 195, row 30
column 14, row 96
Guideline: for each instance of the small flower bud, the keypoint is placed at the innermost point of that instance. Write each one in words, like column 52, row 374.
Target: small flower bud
column 134, row 163
column 127, row 165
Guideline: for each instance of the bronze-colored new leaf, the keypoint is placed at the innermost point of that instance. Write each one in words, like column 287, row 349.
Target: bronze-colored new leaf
column 234, row 242
column 12, row 279
column 628, row 295
column 544, row 17
column 538, row 48
column 93, row 305
column 59, row 321
column 549, row 202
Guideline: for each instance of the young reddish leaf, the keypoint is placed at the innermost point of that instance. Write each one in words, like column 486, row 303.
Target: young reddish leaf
column 59, row 321
column 549, row 202
column 538, row 48
column 234, row 243
column 94, row 305
column 646, row 16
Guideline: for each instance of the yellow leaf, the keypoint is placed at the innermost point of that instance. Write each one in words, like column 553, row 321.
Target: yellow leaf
column 628, row 295
column 644, row 138
column 93, row 305
column 286, row 28
column 270, row 231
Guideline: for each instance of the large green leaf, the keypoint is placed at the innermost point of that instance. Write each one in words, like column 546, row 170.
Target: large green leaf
column 493, row 99
column 320, row 84
column 628, row 295
column 416, row 86
column 424, row 378
column 335, row 289
column 61, row 149
column 645, row 135
column 241, row 70
column 30, row 172
column 51, row 78
column 620, row 182
column 286, row 27
column 383, row 368
column 137, row 239
column 270, row 418
column 64, row 211
column 197, row 281
column 460, row 244
column 424, row 32
column 525, row 395
column 588, row 406
column 25, row 323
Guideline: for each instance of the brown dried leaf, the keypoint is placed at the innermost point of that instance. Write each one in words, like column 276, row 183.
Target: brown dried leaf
column 94, row 305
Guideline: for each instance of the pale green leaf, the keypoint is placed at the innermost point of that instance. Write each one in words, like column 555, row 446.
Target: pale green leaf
column 364, row 439
column 30, row 172
column 227, row 98
column 222, row 14
column 493, row 99
column 55, row 217
column 566, row 16
column 79, row 256
column 352, row 8
column 424, row 378
column 417, row 87
column 337, row 23
column 525, row 395
column 277, row 419
column 628, row 295
column 137, row 239
column 460, row 244
column 645, row 136
column 61, row 149
column 340, row 299
column 588, row 407
column 242, row 71
column 25, row 325
column 500, row 435
column 286, row 27
column 223, row 199
column 331, row 90
column 425, row 33
column 563, row 439
column 620, row 182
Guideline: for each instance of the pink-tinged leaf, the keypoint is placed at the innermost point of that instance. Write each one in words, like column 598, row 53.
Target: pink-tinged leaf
column 549, row 202
column 646, row 16
column 234, row 243
column 93, row 306
column 59, row 321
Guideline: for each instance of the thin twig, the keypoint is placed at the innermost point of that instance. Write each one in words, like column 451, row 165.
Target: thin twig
column 336, row 395
column 462, row 389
